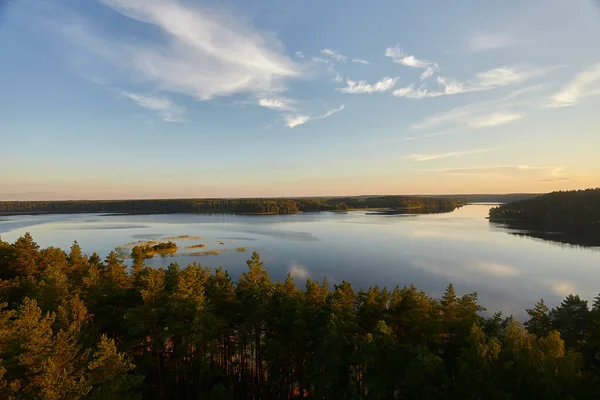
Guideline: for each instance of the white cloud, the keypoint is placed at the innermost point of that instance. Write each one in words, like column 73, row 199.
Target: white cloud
column 383, row 85
column 502, row 76
column 319, row 60
column 360, row 61
column 334, row 55
column 276, row 103
column 489, row 41
column 487, row 80
column 398, row 56
column 201, row 54
column 420, row 93
column 338, row 78
column 509, row 108
column 163, row 106
column 292, row 121
column 331, row 112
column 494, row 119
column 404, row 92
column 299, row 54
column 437, row 156
column 427, row 73
column 583, row 85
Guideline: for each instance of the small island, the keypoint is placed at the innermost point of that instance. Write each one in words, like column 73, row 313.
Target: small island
column 150, row 250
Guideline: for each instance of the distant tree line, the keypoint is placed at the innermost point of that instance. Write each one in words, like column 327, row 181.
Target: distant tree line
column 240, row 206
column 74, row 326
column 570, row 209
column 491, row 198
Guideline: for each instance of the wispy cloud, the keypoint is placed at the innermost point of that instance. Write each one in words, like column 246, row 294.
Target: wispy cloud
column 299, row 54
column 331, row 112
column 292, row 121
column 203, row 54
column 583, row 85
column 398, row 55
column 276, row 103
column 500, row 170
column 334, row 55
column 338, row 78
column 437, row 156
column 487, row 80
column 481, row 41
column 356, row 87
column 360, row 61
column 400, row 139
column 494, row 119
column 553, row 179
column 163, row 106
column 504, row 110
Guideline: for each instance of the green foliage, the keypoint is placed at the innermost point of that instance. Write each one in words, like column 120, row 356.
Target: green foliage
column 75, row 327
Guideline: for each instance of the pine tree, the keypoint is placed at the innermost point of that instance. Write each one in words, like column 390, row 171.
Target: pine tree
column 109, row 374
column 539, row 320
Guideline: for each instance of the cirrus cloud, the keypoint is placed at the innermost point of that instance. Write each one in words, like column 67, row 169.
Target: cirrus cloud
column 437, row 156
column 276, row 103
column 292, row 121
column 398, row 56
column 584, row 84
column 486, row 80
column 361, row 87
column 481, row 41
column 334, row 55
column 203, row 54
column 163, row 106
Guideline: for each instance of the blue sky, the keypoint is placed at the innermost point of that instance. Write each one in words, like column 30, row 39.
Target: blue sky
column 164, row 98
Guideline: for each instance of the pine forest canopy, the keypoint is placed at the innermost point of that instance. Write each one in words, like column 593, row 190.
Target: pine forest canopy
column 74, row 326
column 570, row 209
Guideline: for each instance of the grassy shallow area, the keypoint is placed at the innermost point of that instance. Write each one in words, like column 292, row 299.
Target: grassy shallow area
column 203, row 253
column 181, row 237
column 167, row 246
column 196, row 246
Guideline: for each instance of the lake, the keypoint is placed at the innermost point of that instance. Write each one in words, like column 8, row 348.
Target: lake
column 509, row 272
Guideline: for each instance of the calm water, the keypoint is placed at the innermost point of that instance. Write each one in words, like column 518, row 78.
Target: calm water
column 509, row 272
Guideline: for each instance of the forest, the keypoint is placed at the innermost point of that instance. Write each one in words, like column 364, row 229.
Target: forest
column 74, row 326
column 568, row 209
column 238, row 206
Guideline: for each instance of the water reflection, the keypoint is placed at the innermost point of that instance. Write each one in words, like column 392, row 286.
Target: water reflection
column 588, row 237
column 510, row 271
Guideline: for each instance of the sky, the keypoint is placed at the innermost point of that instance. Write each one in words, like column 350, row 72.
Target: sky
column 230, row 98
